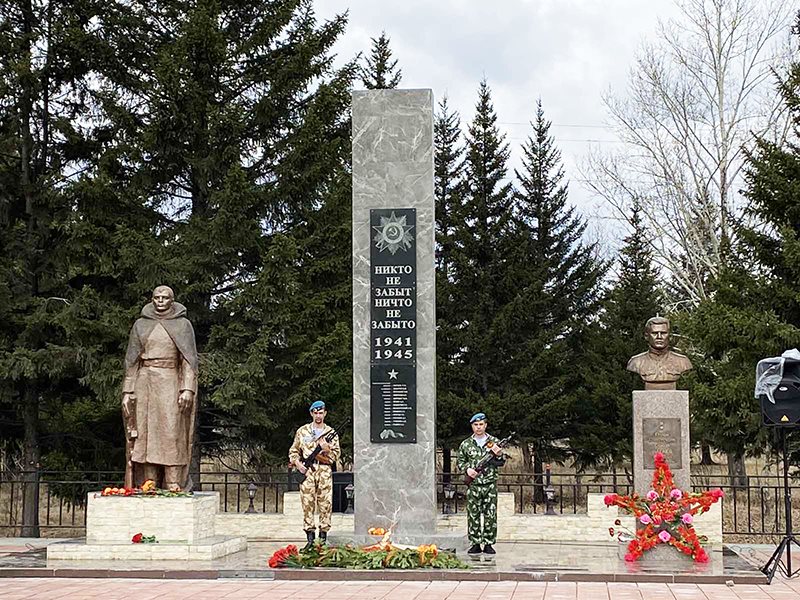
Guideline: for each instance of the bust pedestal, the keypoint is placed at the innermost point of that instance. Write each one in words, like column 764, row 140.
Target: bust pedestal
column 660, row 424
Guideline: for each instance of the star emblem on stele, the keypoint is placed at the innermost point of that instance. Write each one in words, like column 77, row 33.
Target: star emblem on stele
column 393, row 234
column 392, row 374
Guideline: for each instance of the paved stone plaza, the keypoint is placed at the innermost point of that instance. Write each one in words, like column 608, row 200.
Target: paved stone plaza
column 143, row 589
column 247, row 577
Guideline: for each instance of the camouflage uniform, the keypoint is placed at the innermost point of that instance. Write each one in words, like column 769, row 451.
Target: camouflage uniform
column 316, row 491
column 482, row 494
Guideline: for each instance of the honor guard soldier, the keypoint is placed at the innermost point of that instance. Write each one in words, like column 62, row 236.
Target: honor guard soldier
column 482, row 493
column 316, row 491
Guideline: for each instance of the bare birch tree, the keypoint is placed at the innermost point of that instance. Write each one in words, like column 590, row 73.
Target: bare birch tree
column 697, row 96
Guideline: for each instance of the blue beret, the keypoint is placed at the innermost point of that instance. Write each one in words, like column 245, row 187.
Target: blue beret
column 317, row 405
column 477, row 417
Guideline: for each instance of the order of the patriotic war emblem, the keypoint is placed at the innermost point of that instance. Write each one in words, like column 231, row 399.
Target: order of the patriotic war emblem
column 393, row 234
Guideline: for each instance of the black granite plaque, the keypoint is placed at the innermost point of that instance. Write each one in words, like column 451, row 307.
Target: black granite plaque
column 393, row 326
column 662, row 435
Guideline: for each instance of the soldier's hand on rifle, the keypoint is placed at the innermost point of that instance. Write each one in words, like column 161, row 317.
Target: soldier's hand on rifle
column 472, row 472
column 324, row 445
column 128, row 404
column 301, row 467
column 185, row 400
column 496, row 449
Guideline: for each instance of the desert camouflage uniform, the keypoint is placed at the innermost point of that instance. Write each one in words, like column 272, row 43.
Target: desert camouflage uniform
column 316, row 491
column 482, row 494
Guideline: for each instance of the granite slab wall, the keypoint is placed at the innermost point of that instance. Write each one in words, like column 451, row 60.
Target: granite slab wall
column 660, row 423
column 590, row 526
column 393, row 168
column 116, row 519
column 183, row 526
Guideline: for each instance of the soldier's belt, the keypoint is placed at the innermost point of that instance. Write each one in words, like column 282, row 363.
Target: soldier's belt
column 159, row 363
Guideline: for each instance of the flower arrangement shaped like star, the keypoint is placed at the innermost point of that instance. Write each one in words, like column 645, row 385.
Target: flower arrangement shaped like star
column 665, row 515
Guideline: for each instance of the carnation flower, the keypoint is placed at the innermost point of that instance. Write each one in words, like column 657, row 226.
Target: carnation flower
column 664, row 536
column 651, row 495
column 675, row 494
column 645, row 520
column 687, row 518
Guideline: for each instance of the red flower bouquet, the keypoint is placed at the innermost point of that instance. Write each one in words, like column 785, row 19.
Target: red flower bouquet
column 665, row 515
column 143, row 539
column 283, row 556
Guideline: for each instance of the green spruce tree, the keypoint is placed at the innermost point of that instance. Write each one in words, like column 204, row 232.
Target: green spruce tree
column 230, row 128
column 557, row 279
column 604, row 437
column 380, row 72
column 50, row 56
column 482, row 284
column 448, row 188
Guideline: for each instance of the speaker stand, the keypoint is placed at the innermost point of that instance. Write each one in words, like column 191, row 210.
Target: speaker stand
column 776, row 561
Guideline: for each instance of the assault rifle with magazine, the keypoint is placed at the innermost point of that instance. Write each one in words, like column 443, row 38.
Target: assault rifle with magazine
column 316, row 455
column 489, row 457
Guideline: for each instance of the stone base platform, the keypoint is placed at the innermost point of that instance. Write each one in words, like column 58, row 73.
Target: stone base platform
column 185, row 527
column 116, row 519
column 513, row 562
column 206, row 549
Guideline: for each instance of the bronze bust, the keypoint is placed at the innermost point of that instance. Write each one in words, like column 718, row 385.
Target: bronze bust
column 659, row 367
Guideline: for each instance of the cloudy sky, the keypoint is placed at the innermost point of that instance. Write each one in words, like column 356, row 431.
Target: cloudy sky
column 566, row 52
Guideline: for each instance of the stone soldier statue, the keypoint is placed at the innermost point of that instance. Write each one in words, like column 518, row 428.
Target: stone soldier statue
column 158, row 394
column 316, row 491
column 482, row 494
column 659, row 367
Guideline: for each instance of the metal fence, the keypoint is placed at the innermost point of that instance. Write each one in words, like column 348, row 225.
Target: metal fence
column 752, row 511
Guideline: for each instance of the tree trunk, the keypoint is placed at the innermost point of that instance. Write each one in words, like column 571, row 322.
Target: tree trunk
column 30, row 394
column 527, row 460
column 30, row 463
column 447, row 464
column 538, row 478
column 705, row 454
column 736, row 469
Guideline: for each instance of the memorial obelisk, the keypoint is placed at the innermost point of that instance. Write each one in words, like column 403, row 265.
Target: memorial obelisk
column 394, row 314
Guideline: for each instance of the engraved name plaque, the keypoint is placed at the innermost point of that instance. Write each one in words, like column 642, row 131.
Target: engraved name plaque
column 662, row 435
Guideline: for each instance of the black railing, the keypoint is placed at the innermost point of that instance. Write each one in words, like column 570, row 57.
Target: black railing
column 62, row 495
column 570, row 491
column 752, row 511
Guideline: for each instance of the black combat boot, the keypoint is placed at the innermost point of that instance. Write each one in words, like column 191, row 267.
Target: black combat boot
column 310, row 534
column 475, row 549
column 487, row 549
column 323, row 537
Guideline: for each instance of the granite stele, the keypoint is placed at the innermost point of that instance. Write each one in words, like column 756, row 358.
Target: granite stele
column 394, row 315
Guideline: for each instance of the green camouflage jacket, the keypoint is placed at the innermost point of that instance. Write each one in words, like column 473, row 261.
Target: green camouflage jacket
column 469, row 453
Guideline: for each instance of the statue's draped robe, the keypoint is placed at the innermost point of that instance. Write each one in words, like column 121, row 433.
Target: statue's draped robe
column 160, row 363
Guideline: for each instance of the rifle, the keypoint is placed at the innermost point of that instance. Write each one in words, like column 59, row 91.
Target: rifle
column 308, row 462
column 486, row 460
column 131, row 433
